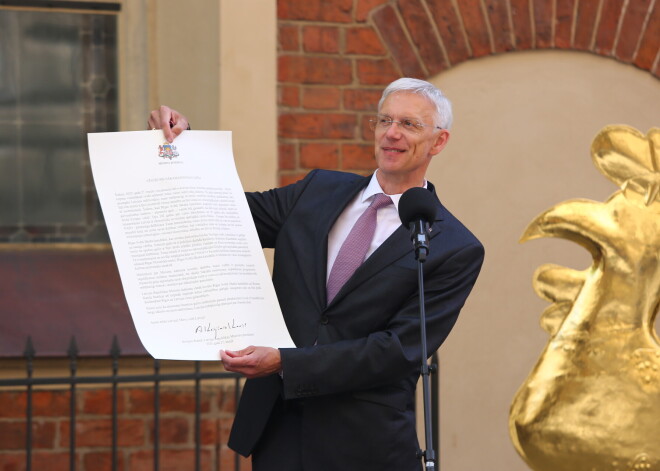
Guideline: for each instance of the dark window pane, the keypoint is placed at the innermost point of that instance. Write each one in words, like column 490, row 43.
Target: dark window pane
column 10, row 189
column 58, row 81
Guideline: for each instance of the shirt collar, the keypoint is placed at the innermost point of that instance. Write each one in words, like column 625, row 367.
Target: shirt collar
column 373, row 188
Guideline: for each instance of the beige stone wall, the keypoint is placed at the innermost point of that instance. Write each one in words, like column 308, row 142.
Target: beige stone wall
column 213, row 60
column 521, row 141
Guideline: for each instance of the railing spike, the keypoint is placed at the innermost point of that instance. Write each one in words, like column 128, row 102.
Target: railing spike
column 73, row 348
column 29, row 349
column 115, row 351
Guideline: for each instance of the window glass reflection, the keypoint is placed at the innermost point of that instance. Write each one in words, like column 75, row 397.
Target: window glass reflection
column 58, row 81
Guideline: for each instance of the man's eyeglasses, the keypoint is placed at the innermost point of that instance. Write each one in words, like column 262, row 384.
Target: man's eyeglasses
column 410, row 125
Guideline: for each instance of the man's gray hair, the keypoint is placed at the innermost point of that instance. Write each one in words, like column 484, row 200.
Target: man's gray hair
column 427, row 90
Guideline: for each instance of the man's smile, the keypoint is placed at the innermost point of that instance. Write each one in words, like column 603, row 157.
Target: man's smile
column 392, row 149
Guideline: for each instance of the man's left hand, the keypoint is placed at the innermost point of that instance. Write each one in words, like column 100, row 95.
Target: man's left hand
column 253, row 362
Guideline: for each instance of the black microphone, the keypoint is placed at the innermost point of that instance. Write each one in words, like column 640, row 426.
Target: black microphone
column 417, row 211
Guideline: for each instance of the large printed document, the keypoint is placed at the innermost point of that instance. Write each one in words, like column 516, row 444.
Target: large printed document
column 193, row 272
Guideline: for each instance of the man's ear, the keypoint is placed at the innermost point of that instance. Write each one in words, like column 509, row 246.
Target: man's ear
column 440, row 142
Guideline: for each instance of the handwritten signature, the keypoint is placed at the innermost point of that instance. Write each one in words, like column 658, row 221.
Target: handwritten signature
column 200, row 329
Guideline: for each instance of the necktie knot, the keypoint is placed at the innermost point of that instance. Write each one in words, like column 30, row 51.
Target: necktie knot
column 380, row 200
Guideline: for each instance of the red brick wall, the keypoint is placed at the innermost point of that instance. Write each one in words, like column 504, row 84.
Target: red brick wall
column 50, row 429
column 335, row 57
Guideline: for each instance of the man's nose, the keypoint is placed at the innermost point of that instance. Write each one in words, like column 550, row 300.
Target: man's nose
column 394, row 131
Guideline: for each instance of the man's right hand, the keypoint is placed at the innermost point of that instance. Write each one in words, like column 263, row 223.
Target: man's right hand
column 170, row 121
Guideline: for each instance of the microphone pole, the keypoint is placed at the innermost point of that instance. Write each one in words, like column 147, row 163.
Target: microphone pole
column 416, row 209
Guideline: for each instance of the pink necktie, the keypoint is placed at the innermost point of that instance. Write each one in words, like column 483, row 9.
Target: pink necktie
column 355, row 247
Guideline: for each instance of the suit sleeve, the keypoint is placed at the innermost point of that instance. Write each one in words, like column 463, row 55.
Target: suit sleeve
column 270, row 208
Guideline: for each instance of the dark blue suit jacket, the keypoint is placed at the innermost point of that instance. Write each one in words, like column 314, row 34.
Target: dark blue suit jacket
column 357, row 383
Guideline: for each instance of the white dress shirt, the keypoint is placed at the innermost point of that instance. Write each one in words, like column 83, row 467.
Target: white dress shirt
column 387, row 220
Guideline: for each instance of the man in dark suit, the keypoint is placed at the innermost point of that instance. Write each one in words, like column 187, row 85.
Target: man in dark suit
column 343, row 399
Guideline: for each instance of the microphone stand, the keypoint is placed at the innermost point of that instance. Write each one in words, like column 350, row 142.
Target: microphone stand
column 420, row 238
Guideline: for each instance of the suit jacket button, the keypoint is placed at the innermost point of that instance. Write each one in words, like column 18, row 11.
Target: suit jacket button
column 324, row 320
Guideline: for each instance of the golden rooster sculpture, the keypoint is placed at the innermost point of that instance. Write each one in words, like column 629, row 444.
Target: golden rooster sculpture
column 592, row 402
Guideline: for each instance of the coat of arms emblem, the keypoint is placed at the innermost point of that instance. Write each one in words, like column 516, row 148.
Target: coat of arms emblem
column 167, row 151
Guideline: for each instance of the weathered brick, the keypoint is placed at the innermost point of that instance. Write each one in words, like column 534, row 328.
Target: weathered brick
column 631, row 28
column 12, row 405
column 102, row 461
column 522, row 23
column 288, row 37
column 288, row 95
column 99, row 401
column 364, row 7
column 170, row 460
column 50, row 403
column 321, row 39
column 287, row 156
column 227, row 459
column 609, row 20
column 376, row 71
column 209, row 432
column 173, row 400
column 362, row 99
column 12, row 461
column 12, row 435
column 419, row 25
column 363, row 40
column 321, row 98
column 225, row 424
column 53, row 461
column 585, row 19
column 475, row 25
column 227, row 402
column 289, row 178
column 563, row 23
column 498, row 17
column 450, row 29
column 365, row 130
column 649, row 47
column 314, row 70
column 174, row 430
column 140, row 401
column 338, row 11
column 543, row 23
column 317, row 126
column 130, row 432
column 393, row 35
column 315, row 155
column 358, row 157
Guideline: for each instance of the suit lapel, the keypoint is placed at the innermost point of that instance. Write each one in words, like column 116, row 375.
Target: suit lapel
column 330, row 211
column 395, row 246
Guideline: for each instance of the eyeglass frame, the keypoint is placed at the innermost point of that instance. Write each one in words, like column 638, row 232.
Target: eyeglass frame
column 376, row 121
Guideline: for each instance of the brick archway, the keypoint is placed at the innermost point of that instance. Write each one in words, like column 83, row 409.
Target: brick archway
column 334, row 57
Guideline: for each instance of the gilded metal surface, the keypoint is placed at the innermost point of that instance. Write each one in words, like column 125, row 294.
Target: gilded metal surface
column 592, row 402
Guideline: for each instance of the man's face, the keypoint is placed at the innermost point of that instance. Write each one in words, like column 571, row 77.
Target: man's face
column 403, row 155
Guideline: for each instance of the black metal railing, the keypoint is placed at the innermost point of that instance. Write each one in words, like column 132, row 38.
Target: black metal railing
column 156, row 378
column 114, row 379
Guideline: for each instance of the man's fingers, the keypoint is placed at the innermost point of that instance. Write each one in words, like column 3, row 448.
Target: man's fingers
column 170, row 121
column 165, row 118
column 252, row 361
column 241, row 353
column 179, row 127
